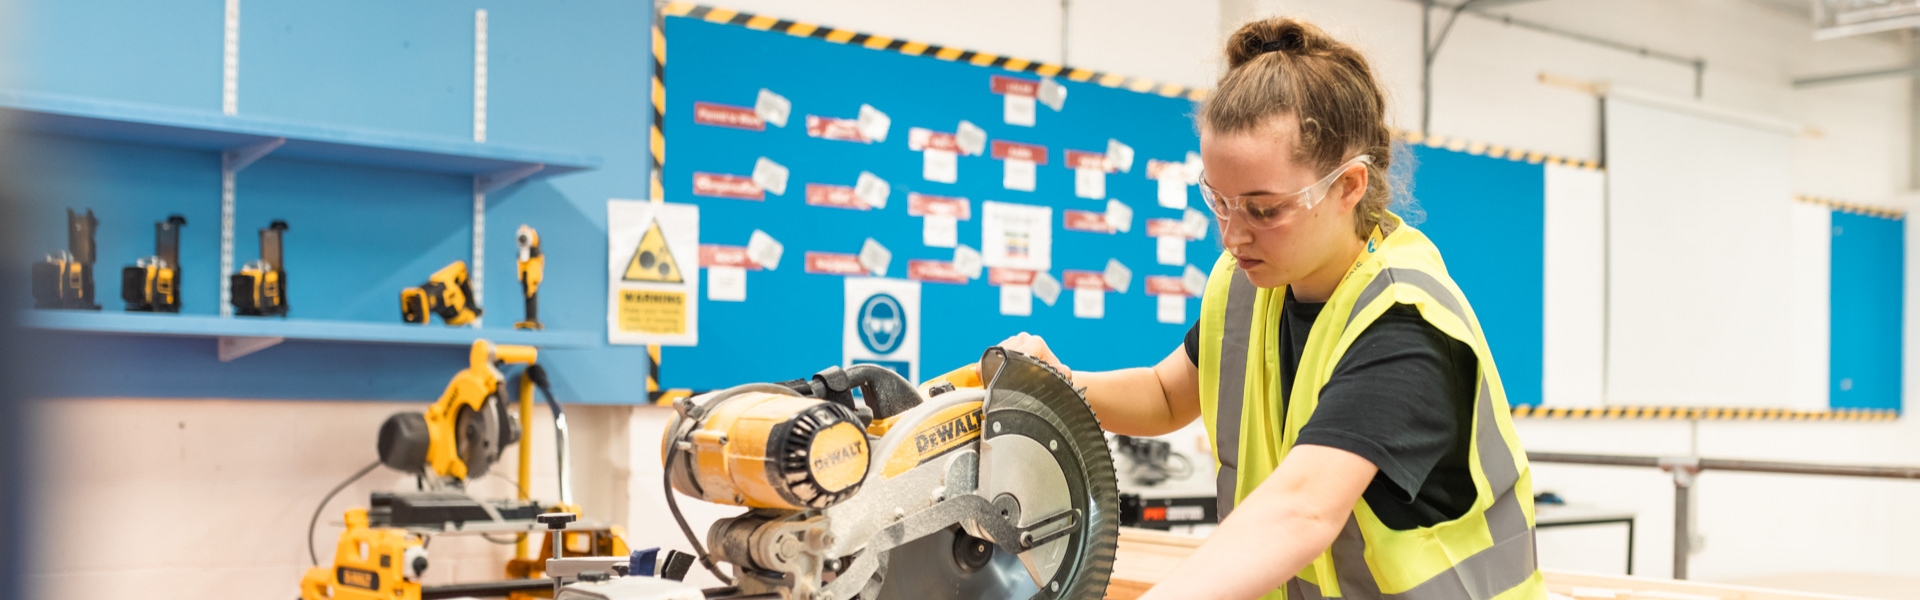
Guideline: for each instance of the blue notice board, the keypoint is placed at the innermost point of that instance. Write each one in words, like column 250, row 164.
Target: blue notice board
column 790, row 324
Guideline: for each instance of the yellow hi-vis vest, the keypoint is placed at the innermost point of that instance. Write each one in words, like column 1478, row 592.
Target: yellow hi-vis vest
column 1487, row 552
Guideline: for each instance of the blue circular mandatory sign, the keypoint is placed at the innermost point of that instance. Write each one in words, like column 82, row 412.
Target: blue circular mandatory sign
column 883, row 323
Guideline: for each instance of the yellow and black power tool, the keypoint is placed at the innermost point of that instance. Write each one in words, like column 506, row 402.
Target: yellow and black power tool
column 260, row 288
column 65, row 278
column 447, row 293
column 152, row 284
column 533, row 268
column 458, row 439
column 370, row 563
column 462, row 434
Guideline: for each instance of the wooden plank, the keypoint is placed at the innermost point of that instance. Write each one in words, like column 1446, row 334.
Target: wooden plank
column 1146, row 557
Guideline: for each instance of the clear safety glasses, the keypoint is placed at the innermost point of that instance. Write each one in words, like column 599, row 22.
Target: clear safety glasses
column 1264, row 211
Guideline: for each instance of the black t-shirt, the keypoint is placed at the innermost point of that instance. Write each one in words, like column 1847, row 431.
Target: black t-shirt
column 1402, row 398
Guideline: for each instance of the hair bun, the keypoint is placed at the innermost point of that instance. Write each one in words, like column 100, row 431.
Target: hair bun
column 1286, row 36
column 1290, row 40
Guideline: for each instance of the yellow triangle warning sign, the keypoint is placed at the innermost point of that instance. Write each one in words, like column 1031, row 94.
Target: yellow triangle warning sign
column 652, row 261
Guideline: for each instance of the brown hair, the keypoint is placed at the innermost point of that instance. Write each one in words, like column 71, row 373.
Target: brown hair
column 1281, row 65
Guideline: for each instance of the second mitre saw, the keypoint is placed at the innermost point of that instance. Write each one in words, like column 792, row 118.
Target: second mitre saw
column 993, row 481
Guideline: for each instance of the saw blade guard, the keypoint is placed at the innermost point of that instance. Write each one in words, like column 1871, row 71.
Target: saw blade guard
column 1044, row 462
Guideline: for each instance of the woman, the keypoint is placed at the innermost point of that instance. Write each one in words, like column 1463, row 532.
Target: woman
column 1361, row 429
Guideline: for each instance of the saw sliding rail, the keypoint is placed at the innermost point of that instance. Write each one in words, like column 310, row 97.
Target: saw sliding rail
column 1685, row 470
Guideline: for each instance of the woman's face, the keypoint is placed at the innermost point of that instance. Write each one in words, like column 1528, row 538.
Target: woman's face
column 1258, row 166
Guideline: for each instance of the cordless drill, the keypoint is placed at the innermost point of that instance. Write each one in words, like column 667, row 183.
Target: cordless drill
column 260, row 288
column 447, row 293
column 152, row 284
column 533, row 268
column 65, row 278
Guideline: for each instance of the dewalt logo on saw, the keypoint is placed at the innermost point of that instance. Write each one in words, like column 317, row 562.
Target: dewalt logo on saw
column 949, row 429
column 351, row 577
column 839, row 457
column 942, row 435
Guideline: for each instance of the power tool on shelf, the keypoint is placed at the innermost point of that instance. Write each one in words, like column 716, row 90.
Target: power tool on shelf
column 65, row 278
column 152, row 284
column 458, row 439
column 533, row 268
column 448, row 293
column 260, row 288
column 993, row 481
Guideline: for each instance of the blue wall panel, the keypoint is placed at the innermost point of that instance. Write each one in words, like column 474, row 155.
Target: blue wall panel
column 791, row 324
column 567, row 76
column 154, row 51
column 1488, row 217
column 1868, row 299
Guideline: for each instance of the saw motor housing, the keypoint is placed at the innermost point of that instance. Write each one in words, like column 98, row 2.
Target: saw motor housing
column 463, row 434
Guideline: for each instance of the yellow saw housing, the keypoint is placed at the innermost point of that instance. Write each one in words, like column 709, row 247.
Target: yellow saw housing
column 769, row 450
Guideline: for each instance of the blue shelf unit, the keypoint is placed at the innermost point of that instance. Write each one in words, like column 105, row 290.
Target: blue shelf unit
column 295, row 329
column 241, row 140
column 199, row 130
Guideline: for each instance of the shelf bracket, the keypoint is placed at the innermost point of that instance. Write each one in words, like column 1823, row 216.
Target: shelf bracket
column 492, row 181
column 236, row 159
column 236, row 346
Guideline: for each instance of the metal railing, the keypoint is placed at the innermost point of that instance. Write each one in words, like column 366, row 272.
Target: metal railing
column 1685, row 469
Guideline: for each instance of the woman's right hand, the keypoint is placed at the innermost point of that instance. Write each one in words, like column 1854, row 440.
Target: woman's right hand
column 1034, row 346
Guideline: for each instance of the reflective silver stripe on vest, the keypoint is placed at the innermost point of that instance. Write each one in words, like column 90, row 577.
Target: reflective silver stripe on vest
column 1232, row 388
column 1301, row 590
column 1511, row 560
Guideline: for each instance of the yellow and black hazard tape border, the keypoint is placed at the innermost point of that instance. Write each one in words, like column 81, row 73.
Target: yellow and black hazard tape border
column 908, row 47
column 1494, row 150
column 1704, row 413
column 1867, row 210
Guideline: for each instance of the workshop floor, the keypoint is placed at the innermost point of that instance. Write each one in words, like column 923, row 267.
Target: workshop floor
column 1890, row 587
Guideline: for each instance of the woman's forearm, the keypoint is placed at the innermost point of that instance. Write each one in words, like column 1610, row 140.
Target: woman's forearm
column 1254, row 552
column 1128, row 401
column 1276, row 531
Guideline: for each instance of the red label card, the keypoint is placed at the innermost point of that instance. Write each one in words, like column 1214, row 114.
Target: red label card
column 713, row 255
column 1154, row 167
column 828, row 263
column 1165, row 228
column 737, row 117
column 1014, row 86
column 845, row 130
column 1004, row 150
column 1086, row 220
column 1083, row 280
column 998, row 276
column 938, row 271
column 923, row 139
column 1166, row 285
column 921, row 205
column 1081, row 159
column 836, row 196
column 718, row 185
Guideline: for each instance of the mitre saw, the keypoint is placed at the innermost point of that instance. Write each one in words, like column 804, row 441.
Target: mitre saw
column 993, row 481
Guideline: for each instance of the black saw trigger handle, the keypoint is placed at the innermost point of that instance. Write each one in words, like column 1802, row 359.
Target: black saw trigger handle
column 886, row 392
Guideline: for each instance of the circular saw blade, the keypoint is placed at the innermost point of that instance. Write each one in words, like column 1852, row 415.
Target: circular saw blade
column 952, row 564
column 1031, row 414
column 477, row 437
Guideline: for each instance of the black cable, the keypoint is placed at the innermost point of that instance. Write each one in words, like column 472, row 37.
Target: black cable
column 311, row 554
column 700, row 552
